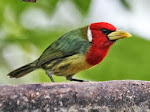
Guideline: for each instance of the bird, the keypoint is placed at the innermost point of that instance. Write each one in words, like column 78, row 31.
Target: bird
column 75, row 51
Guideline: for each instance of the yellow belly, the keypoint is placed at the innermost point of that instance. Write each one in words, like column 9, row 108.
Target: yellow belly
column 68, row 66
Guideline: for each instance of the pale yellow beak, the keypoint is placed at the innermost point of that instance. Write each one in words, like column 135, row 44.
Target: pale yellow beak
column 118, row 34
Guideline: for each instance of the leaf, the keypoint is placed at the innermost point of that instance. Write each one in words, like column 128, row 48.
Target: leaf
column 48, row 6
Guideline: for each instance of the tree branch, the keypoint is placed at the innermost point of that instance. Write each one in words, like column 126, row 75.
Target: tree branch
column 109, row 96
column 29, row 0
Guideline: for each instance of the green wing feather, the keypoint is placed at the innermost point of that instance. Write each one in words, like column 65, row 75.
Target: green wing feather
column 69, row 44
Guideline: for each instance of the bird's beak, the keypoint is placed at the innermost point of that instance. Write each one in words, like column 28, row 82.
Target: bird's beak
column 118, row 34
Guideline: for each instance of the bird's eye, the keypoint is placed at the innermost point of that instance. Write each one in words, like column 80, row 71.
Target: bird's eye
column 105, row 31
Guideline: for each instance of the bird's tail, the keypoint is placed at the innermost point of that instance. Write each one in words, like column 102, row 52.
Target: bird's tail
column 23, row 70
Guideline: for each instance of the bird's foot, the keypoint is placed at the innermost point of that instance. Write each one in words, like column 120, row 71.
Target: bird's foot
column 77, row 80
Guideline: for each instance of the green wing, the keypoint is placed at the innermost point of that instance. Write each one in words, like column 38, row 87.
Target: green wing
column 69, row 44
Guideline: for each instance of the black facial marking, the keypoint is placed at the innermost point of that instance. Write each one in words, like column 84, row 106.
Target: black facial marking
column 105, row 31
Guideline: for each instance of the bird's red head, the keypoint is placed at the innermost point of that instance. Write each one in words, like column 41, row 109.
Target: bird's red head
column 102, row 35
column 100, row 32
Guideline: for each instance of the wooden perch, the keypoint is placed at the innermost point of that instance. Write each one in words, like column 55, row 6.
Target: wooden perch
column 109, row 96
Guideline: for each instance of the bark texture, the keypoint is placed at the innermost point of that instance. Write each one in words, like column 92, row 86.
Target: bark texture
column 109, row 96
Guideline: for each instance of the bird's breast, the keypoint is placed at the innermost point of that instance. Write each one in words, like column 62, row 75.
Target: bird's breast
column 95, row 55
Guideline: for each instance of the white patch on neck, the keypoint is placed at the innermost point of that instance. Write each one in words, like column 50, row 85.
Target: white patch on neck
column 89, row 34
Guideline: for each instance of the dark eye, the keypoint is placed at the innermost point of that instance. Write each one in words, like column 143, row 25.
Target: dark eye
column 105, row 31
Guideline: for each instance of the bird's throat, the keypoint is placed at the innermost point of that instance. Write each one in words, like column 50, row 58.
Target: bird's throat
column 96, row 54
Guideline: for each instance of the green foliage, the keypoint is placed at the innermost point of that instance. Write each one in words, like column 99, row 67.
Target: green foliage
column 83, row 5
column 125, row 4
column 48, row 6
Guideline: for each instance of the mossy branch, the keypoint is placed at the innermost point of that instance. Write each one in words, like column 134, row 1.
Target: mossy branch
column 109, row 96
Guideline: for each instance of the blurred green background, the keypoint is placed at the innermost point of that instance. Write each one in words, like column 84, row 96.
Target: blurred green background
column 26, row 29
